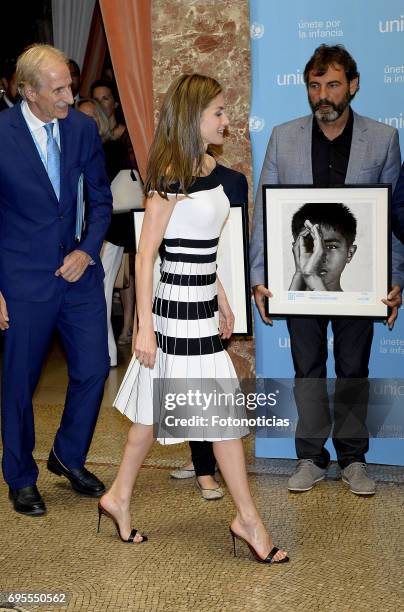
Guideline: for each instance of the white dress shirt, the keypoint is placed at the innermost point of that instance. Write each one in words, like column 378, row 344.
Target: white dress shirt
column 38, row 132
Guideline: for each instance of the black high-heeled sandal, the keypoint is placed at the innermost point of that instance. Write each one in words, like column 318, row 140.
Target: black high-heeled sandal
column 130, row 540
column 268, row 559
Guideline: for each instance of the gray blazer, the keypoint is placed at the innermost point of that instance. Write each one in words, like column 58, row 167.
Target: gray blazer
column 374, row 158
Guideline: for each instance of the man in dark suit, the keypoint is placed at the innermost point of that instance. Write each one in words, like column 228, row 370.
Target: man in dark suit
column 50, row 272
column 332, row 146
column 397, row 208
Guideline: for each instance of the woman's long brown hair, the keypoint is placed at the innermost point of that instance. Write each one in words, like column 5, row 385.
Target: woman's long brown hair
column 177, row 152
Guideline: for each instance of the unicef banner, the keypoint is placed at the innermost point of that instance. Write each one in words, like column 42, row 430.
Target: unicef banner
column 283, row 37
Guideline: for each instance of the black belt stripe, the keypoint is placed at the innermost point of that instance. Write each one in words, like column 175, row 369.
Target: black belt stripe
column 189, row 346
column 190, row 257
column 188, row 280
column 185, row 311
column 191, row 244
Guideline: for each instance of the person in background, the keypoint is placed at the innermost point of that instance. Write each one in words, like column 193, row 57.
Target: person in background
column 106, row 94
column 119, row 237
column 8, row 84
column 397, row 222
column 93, row 109
column 76, row 78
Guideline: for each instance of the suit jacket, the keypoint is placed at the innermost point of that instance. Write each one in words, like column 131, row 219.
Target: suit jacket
column 36, row 230
column 397, row 210
column 374, row 158
column 3, row 105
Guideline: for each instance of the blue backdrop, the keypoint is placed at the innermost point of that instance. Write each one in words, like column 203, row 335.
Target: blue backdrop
column 283, row 37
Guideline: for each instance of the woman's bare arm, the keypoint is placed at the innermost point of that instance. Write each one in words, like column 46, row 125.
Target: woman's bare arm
column 226, row 316
column 156, row 218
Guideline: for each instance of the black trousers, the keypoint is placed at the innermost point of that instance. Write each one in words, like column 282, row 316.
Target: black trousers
column 203, row 458
column 352, row 345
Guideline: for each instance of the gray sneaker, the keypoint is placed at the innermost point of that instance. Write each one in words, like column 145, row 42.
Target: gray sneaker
column 356, row 477
column 306, row 475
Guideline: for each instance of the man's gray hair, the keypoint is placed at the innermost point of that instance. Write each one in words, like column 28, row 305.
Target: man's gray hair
column 30, row 63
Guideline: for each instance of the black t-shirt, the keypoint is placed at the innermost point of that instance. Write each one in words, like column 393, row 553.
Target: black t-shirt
column 330, row 157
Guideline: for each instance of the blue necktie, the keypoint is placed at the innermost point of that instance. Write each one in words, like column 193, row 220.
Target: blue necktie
column 53, row 159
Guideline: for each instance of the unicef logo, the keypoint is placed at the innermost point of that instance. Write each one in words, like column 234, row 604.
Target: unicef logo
column 257, row 30
column 257, row 124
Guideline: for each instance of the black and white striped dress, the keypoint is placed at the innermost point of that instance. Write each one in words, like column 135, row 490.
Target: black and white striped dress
column 185, row 310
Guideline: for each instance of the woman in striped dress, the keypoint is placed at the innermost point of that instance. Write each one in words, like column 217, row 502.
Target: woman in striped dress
column 180, row 330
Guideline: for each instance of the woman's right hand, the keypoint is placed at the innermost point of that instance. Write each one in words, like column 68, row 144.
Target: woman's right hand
column 260, row 293
column 146, row 346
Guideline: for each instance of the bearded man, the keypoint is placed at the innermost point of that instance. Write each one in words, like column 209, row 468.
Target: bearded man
column 332, row 146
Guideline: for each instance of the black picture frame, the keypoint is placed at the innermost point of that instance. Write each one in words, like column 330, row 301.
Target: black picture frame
column 369, row 280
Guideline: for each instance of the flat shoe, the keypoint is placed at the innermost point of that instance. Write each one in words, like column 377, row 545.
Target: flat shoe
column 182, row 473
column 210, row 494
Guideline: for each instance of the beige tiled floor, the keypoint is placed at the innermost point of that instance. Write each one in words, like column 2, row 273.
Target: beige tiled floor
column 346, row 552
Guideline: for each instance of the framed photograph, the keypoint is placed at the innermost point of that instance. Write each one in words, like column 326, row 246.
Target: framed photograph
column 232, row 264
column 327, row 250
column 232, row 267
